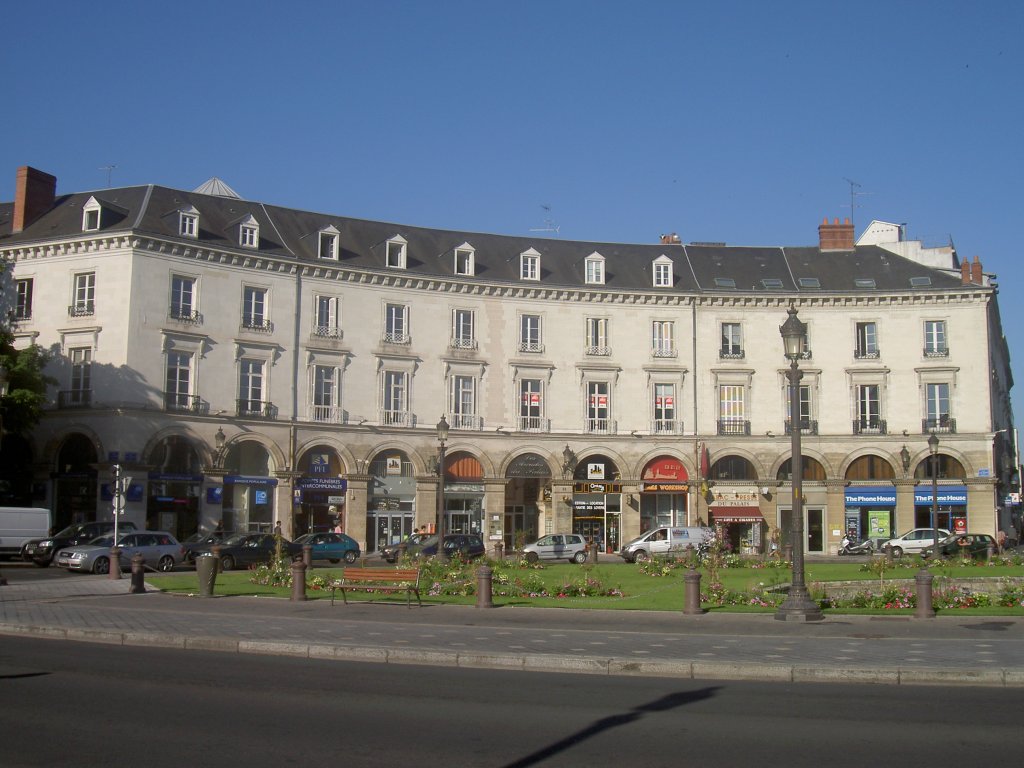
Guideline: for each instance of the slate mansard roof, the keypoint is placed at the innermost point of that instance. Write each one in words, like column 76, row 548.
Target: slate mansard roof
column 293, row 235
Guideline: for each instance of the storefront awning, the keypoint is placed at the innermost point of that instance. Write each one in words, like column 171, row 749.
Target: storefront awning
column 736, row 515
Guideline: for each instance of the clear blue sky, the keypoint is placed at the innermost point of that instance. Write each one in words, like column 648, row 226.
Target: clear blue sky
column 725, row 121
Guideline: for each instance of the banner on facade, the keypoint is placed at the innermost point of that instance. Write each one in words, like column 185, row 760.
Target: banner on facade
column 867, row 494
column 948, row 495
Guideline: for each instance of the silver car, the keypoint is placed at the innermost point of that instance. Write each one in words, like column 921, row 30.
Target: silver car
column 557, row 546
column 159, row 550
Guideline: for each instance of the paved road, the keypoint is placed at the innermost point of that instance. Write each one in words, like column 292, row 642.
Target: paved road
column 894, row 650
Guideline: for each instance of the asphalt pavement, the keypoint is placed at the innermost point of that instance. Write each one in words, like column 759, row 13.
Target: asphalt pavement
column 896, row 650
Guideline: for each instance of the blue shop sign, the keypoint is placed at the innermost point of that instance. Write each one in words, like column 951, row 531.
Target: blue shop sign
column 857, row 496
column 247, row 480
column 949, row 495
column 323, row 484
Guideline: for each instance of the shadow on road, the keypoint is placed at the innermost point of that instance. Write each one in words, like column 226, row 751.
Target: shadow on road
column 665, row 703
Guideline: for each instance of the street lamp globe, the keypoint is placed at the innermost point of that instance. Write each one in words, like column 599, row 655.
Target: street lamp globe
column 793, row 334
column 442, row 429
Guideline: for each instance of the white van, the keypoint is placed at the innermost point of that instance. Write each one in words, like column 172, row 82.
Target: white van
column 18, row 525
column 663, row 541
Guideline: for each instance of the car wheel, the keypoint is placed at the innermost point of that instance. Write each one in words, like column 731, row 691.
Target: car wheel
column 580, row 557
column 896, row 551
column 532, row 557
column 227, row 562
column 350, row 556
column 641, row 556
column 102, row 565
column 166, row 563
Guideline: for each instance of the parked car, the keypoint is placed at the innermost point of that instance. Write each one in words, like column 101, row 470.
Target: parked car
column 413, row 543
column 159, row 550
column 557, row 546
column 912, row 542
column 662, row 541
column 247, row 549
column 200, row 540
column 465, row 545
column 965, row 545
column 334, row 547
column 42, row 551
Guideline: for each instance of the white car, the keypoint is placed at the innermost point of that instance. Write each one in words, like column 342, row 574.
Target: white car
column 913, row 542
column 557, row 546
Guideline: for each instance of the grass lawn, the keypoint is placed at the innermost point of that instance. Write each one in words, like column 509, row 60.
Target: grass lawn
column 639, row 590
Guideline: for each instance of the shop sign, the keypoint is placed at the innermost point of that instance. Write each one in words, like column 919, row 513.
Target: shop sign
column 597, row 488
column 858, row 496
column 665, row 488
column 588, row 504
column 735, row 497
column 319, row 464
column 463, row 487
column 249, row 480
column 665, row 468
column 322, row 483
column 948, row 495
column 170, row 477
column 528, row 465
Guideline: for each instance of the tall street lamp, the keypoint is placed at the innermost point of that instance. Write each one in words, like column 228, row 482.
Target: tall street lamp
column 442, row 435
column 933, row 446
column 4, row 381
column 798, row 605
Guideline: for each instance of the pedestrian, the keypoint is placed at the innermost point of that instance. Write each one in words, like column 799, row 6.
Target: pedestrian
column 277, row 528
column 337, row 526
column 1001, row 540
column 219, row 530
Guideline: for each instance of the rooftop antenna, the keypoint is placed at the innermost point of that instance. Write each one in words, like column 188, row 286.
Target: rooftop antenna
column 854, row 194
column 549, row 225
column 110, row 172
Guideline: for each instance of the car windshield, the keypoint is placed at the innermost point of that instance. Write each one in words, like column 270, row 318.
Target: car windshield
column 102, row 541
column 304, row 538
column 71, row 532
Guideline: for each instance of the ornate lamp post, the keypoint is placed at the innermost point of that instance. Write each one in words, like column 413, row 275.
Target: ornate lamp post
column 798, row 605
column 442, row 435
column 933, row 446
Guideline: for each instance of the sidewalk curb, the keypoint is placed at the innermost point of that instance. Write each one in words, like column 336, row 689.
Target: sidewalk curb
column 613, row 667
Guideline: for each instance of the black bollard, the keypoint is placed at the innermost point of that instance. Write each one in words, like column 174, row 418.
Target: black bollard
column 138, row 586
column 923, row 584
column 298, row 580
column 692, row 581
column 484, row 576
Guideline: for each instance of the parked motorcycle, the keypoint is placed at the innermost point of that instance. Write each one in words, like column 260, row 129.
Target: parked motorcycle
column 850, row 547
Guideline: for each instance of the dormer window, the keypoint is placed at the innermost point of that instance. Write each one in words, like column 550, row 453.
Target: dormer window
column 595, row 269
column 91, row 215
column 663, row 272
column 395, row 252
column 724, row 282
column 329, row 237
column 529, row 265
column 464, row 260
column 188, row 222
column 249, row 233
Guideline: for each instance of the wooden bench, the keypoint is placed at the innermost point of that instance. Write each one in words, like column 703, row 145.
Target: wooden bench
column 379, row 580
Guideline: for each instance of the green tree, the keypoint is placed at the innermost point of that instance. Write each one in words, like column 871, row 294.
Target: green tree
column 26, row 394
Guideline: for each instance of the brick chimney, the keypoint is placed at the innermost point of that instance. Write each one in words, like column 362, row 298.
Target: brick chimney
column 34, row 193
column 835, row 236
column 965, row 273
column 670, row 239
column 976, row 276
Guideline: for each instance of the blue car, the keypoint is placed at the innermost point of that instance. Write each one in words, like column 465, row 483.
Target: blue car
column 334, row 547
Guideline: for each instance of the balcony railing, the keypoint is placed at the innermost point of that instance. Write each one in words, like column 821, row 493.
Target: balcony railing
column 185, row 315
column 595, row 351
column 870, row 426
column 74, row 398
column 534, row 424
column 936, row 351
column 327, row 332
column 944, row 423
column 666, row 427
column 174, row 401
column 396, row 419
column 82, row 309
column 256, row 409
column 396, row 337
column 866, row 354
column 663, row 351
column 733, row 427
column 599, row 426
column 257, row 324
column 730, row 354
column 807, row 426
column 327, row 414
column 465, row 421
column 531, row 346
column 462, row 343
